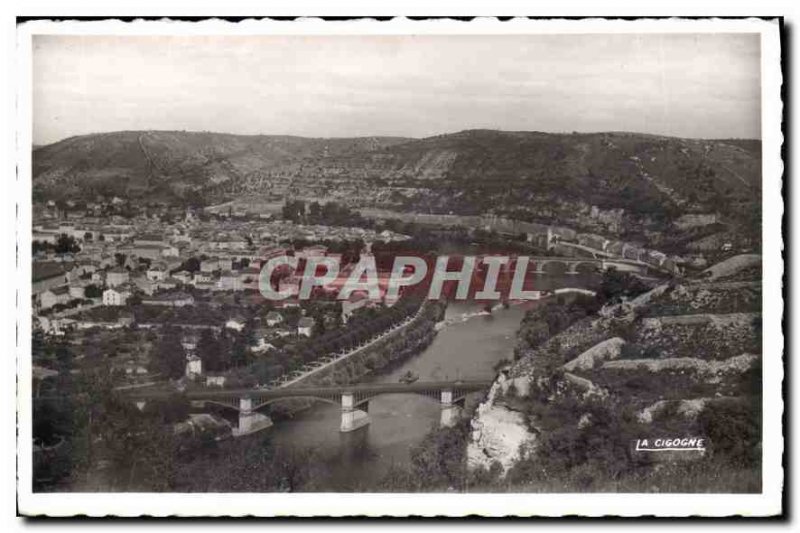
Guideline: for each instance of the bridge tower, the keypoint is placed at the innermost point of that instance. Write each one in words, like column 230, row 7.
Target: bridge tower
column 353, row 418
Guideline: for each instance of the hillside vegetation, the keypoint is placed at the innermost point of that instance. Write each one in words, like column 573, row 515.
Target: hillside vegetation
column 141, row 163
column 683, row 359
column 466, row 172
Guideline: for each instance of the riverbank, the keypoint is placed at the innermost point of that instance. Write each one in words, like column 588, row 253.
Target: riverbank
column 377, row 352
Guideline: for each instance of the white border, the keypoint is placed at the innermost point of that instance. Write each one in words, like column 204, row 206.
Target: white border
column 767, row 503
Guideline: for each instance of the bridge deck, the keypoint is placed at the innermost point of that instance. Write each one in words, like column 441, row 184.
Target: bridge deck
column 265, row 394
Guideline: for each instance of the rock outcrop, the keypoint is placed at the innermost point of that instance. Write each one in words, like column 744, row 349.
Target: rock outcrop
column 499, row 434
column 599, row 353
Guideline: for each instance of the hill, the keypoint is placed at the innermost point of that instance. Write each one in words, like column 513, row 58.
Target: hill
column 151, row 163
column 526, row 175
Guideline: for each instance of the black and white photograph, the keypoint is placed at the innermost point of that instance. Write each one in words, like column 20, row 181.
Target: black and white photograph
column 523, row 268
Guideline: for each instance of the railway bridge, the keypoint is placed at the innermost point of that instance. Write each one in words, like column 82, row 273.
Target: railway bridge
column 576, row 265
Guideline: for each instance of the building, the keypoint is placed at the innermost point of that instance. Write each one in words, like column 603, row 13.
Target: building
column 273, row 318
column 47, row 274
column 224, row 263
column 357, row 300
column 189, row 343
column 229, row 281
column 55, row 296
column 632, row 252
column 235, row 324
column 201, row 277
column 146, row 286
column 209, row 265
column 174, row 299
column 49, row 238
column 153, row 252
column 116, row 296
column 311, row 251
column 170, row 251
column 157, row 273
column 654, row 257
column 305, row 325
column 149, row 239
column 77, row 290
column 215, row 381
column 598, row 242
column 117, row 276
column 183, row 276
column 194, row 367
column 249, row 277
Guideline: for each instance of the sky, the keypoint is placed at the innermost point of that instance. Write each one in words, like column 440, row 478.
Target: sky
column 686, row 85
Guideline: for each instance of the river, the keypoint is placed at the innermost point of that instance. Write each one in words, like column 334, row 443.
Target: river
column 469, row 347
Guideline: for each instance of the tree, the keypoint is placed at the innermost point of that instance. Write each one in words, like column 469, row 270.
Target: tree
column 192, row 264
column 617, row 284
column 209, row 349
column 93, row 291
column 66, row 245
column 294, row 210
column 168, row 356
column 314, row 211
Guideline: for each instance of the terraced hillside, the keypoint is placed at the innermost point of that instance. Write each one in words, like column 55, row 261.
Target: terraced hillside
column 683, row 359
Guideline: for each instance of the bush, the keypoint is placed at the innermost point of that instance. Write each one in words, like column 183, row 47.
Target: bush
column 733, row 428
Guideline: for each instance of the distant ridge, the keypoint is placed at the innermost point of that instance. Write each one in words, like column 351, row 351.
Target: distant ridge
column 605, row 169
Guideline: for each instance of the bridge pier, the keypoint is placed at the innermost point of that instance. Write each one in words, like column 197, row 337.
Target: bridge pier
column 353, row 418
column 250, row 421
column 451, row 411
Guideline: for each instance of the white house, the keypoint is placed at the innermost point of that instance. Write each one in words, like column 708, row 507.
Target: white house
column 215, row 381
column 201, row 277
column 194, row 367
column 115, row 296
column 273, row 318
column 235, row 323
column 305, row 325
